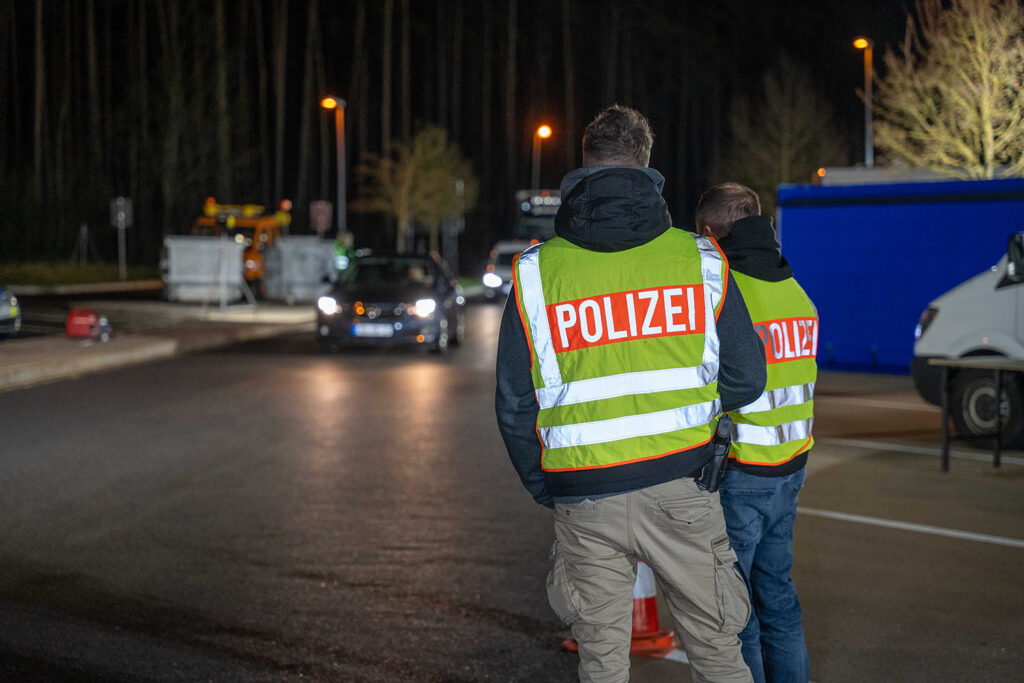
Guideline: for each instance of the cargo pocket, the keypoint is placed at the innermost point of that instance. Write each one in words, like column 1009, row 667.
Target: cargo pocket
column 562, row 596
column 730, row 588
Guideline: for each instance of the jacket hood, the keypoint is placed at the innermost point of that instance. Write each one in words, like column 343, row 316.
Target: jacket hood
column 753, row 249
column 612, row 208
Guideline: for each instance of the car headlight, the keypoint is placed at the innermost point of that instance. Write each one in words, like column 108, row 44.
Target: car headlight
column 328, row 305
column 424, row 308
column 492, row 280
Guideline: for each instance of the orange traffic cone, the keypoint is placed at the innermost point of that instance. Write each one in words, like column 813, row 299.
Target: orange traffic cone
column 648, row 639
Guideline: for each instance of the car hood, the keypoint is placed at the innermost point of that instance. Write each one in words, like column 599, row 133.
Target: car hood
column 385, row 294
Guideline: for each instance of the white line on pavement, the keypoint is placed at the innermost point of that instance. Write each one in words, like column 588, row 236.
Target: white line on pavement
column 909, row 526
column 677, row 655
column 877, row 403
column 981, row 456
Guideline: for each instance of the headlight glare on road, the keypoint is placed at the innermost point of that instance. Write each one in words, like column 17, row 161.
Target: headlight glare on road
column 492, row 280
column 328, row 305
column 425, row 307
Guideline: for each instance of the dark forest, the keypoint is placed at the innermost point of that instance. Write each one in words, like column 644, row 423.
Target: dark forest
column 171, row 101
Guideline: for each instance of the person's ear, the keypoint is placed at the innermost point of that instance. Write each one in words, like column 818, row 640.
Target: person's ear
column 705, row 230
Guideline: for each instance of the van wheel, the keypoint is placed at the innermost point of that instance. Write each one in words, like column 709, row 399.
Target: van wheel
column 973, row 407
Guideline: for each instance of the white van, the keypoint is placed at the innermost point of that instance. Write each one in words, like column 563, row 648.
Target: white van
column 498, row 278
column 983, row 316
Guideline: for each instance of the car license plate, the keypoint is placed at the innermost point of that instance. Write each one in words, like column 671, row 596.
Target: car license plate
column 373, row 330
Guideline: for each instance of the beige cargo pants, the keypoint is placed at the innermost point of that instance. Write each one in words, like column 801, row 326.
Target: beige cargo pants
column 679, row 531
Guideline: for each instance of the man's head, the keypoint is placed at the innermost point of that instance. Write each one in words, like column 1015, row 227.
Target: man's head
column 618, row 136
column 722, row 205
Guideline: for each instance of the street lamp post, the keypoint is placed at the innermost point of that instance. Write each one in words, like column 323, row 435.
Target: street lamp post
column 869, row 134
column 338, row 105
column 542, row 133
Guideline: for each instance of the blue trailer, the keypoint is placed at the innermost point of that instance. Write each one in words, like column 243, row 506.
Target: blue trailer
column 872, row 257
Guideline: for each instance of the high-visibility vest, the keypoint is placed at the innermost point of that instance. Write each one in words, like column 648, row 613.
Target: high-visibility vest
column 776, row 427
column 624, row 348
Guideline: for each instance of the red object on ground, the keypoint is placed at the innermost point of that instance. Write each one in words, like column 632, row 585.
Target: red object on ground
column 649, row 640
column 82, row 323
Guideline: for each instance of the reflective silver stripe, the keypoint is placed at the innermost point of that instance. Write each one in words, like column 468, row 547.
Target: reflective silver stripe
column 777, row 398
column 646, row 424
column 772, row 436
column 625, row 384
column 711, row 272
column 533, row 300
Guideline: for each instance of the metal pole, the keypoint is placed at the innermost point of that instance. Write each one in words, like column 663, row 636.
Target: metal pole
column 122, row 261
column 535, row 173
column 869, row 134
column 997, row 446
column 339, row 134
column 945, row 418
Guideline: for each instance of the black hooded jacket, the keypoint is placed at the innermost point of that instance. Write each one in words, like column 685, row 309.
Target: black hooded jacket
column 613, row 209
column 753, row 249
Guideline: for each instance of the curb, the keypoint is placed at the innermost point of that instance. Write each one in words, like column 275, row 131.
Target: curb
column 93, row 288
column 78, row 359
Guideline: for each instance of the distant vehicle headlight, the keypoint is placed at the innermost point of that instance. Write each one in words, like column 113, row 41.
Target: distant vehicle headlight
column 424, row 308
column 492, row 280
column 251, row 264
column 340, row 262
column 328, row 305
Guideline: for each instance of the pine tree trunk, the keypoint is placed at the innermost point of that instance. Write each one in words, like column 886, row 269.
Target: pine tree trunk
column 39, row 102
column 486, row 97
column 95, row 133
column 280, row 86
column 223, row 173
column 406, row 75
column 457, row 33
column 305, row 132
column 611, row 52
column 511, row 139
column 264, row 102
column 385, row 97
column 569, row 89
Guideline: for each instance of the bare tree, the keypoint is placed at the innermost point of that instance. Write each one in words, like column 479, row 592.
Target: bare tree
column 418, row 184
column 783, row 136
column 457, row 31
column 951, row 98
column 95, row 130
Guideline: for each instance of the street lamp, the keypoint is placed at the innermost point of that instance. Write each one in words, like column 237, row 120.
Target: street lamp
column 338, row 105
column 869, row 135
column 542, row 133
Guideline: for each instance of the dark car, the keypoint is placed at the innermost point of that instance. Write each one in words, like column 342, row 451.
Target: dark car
column 383, row 299
column 10, row 313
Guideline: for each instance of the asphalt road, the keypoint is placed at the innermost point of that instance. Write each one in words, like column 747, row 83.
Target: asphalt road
column 266, row 513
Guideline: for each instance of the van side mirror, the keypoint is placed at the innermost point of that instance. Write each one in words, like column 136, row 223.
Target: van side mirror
column 1014, row 260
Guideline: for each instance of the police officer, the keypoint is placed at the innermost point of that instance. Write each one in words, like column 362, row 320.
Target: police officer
column 622, row 341
column 772, row 436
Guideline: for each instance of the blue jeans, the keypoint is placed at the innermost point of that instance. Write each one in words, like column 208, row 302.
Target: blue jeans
column 759, row 514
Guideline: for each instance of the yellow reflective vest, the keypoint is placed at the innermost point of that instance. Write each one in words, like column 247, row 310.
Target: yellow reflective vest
column 623, row 347
column 776, row 427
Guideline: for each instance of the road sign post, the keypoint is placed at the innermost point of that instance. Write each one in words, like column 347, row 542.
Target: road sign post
column 121, row 218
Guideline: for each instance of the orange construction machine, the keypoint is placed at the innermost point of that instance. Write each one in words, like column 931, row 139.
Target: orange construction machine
column 248, row 224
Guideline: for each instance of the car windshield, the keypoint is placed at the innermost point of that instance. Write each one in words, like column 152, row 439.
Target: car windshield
column 505, row 258
column 390, row 271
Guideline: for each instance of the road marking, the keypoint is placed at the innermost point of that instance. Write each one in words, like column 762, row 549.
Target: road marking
column 922, row 450
column 910, row 526
column 877, row 403
column 678, row 655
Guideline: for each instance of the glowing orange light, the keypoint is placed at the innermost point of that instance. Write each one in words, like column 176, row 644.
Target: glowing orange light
column 861, row 43
column 286, row 205
column 822, row 172
column 329, row 103
column 544, row 131
column 359, row 308
column 420, row 338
